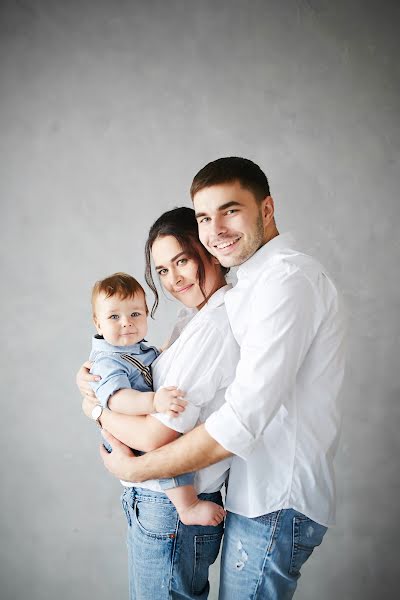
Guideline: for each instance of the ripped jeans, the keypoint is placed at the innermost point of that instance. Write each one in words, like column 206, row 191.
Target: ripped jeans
column 262, row 557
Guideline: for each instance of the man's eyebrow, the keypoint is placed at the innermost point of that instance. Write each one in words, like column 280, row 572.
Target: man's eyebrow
column 171, row 260
column 221, row 208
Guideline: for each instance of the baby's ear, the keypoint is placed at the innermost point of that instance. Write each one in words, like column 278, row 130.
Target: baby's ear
column 96, row 324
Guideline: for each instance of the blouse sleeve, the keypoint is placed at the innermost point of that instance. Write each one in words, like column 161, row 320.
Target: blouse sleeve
column 197, row 370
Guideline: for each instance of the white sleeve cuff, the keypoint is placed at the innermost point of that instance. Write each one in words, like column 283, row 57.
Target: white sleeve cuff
column 224, row 426
column 182, row 423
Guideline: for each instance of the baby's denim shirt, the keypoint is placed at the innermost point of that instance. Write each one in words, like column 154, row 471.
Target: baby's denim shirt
column 121, row 367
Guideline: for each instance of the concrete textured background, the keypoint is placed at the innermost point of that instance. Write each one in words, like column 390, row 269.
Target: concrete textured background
column 107, row 110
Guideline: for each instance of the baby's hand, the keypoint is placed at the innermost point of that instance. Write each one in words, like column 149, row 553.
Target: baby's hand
column 169, row 400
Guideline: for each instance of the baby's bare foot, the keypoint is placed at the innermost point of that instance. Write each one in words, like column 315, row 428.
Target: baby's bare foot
column 202, row 512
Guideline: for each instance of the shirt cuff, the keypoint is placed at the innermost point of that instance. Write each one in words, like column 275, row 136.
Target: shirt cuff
column 183, row 422
column 224, row 426
column 104, row 392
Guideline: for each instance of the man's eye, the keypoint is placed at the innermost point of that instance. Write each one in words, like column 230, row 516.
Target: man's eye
column 231, row 211
column 114, row 317
column 204, row 220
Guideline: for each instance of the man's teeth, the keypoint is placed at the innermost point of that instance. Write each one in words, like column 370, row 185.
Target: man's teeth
column 226, row 244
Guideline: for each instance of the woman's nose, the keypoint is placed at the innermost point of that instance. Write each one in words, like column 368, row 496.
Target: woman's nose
column 175, row 277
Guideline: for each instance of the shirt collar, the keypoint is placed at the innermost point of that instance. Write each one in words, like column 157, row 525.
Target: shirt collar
column 256, row 262
column 218, row 297
column 99, row 343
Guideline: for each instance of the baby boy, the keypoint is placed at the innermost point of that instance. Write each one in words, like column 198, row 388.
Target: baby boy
column 123, row 362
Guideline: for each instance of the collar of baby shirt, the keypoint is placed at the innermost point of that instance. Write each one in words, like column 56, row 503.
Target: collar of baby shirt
column 100, row 344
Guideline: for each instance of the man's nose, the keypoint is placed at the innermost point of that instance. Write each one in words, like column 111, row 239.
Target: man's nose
column 218, row 226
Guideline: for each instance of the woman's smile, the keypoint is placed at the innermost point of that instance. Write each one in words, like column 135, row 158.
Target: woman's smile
column 184, row 289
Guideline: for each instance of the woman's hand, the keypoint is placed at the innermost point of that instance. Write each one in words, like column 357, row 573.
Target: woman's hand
column 88, row 404
column 83, row 379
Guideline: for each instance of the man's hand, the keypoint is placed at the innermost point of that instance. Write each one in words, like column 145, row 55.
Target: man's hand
column 187, row 453
column 119, row 461
column 83, row 379
column 169, row 400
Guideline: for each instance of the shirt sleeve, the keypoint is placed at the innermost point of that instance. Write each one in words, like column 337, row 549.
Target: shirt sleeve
column 283, row 318
column 114, row 377
column 196, row 369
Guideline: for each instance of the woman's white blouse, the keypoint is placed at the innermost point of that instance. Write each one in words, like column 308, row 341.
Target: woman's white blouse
column 202, row 362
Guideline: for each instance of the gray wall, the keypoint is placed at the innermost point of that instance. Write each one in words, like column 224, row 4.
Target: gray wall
column 107, row 109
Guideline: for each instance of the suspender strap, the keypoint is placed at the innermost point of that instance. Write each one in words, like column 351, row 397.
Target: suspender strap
column 144, row 370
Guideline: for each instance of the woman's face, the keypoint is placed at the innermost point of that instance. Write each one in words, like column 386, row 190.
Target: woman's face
column 178, row 272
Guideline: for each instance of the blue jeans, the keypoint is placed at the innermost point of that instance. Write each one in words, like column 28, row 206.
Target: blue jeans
column 166, row 559
column 262, row 557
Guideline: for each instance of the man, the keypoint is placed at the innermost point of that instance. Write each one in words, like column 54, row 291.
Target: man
column 281, row 417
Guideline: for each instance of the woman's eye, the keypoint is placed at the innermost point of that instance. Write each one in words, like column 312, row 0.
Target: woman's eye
column 162, row 272
column 182, row 261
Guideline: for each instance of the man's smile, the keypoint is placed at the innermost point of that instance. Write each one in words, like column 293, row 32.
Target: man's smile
column 226, row 244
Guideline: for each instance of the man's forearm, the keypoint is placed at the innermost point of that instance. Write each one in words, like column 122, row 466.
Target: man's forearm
column 191, row 452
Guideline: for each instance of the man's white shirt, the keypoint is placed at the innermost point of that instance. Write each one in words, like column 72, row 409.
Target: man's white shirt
column 282, row 412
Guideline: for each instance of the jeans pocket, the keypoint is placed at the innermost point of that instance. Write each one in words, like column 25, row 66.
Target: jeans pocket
column 157, row 520
column 307, row 534
column 206, row 548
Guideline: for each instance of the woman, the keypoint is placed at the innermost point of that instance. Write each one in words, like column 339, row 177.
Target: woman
column 166, row 558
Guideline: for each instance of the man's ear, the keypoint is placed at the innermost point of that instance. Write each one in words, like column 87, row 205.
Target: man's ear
column 268, row 210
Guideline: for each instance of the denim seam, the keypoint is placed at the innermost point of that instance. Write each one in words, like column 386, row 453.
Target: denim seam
column 126, row 509
column 268, row 552
column 295, row 530
column 172, row 561
column 275, row 526
column 145, row 498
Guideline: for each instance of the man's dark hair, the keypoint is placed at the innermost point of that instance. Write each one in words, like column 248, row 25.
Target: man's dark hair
column 229, row 170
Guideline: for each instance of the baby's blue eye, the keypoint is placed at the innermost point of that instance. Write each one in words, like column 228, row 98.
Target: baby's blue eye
column 114, row 317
